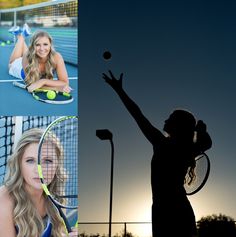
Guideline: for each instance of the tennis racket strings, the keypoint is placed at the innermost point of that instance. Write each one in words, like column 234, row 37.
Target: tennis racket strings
column 201, row 171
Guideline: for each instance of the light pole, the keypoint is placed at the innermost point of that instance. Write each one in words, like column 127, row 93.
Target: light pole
column 105, row 134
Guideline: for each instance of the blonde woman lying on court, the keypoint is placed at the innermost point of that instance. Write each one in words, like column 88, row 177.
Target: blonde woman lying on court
column 37, row 63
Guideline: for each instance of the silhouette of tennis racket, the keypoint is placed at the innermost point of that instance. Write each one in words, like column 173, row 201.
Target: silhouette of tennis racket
column 202, row 171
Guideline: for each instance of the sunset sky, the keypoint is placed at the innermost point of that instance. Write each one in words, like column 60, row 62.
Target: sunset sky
column 174, row 54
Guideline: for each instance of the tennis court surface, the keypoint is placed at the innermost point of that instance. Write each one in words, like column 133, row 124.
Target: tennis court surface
column 60, row 20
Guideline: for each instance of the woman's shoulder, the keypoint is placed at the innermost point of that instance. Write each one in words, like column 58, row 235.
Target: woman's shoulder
column 6, row 218
column 58, row 59
column 57, row 56
column 5, row 198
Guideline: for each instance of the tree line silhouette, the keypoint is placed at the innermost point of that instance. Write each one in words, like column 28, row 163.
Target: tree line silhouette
column 208, row 226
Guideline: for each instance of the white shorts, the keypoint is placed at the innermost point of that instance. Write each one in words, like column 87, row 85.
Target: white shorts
column 16, row 69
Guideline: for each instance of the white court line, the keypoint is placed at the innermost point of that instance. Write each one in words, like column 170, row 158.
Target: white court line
column 70, row 78
column 10, row 80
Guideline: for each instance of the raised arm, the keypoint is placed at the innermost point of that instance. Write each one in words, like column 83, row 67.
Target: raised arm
column 149, row 131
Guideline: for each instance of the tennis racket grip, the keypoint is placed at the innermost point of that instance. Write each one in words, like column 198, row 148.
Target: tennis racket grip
column 19, row 84
column 67, row 225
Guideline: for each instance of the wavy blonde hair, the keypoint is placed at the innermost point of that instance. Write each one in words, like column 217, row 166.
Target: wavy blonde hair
column 26, row 218
column 32, row 69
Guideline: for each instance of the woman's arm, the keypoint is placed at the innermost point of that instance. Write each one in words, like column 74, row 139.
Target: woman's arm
column 61, row 69
column 149, row 131
column 7, row 227
column 50, row 84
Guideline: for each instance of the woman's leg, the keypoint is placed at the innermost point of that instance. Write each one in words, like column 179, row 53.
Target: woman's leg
column 19, row 49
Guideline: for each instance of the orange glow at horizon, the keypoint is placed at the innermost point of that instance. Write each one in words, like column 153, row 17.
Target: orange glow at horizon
column 142, row 230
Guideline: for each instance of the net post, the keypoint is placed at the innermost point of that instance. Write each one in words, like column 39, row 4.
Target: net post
column 18, row 130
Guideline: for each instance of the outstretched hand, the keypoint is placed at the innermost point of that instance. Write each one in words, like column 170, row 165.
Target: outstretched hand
column 74, row 233
column 116, row 84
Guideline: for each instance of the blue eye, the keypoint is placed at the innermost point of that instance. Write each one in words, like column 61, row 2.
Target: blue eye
column 47, row 161
column 30, row 161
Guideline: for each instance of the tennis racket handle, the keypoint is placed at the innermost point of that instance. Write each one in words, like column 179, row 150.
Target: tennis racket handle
column 65, row 220
column 18, row 84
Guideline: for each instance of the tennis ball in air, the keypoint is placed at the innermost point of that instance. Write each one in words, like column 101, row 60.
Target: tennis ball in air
column 8, row 41
column 3, row 44
column 107, row 55
column 51, row 95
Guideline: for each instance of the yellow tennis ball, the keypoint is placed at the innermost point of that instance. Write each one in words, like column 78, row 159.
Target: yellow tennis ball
column 51, row 95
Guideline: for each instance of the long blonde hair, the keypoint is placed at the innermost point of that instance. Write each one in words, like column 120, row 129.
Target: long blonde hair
column 32, row 69
column 26, row 218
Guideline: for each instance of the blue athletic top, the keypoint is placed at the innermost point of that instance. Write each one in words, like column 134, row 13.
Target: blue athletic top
column 48, row 229
column 22, row 73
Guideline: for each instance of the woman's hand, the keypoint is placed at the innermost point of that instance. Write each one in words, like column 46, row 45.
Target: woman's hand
column 116, row 84
column 74, row 233
column 204, row 141
column 35, row 85
column 200, row 127
column 66, row 89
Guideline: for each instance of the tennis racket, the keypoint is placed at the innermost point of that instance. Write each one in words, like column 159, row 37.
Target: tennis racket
column 58, row 165
column 202, row 171
column 41, row 95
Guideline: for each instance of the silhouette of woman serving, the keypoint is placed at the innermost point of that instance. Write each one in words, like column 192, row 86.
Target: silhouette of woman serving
column 173, row 156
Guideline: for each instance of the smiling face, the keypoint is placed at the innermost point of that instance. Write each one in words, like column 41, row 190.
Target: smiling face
column 29, row 166
column 42, row 47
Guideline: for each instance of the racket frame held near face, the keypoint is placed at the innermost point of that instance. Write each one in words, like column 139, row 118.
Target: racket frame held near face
column 56, row 204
